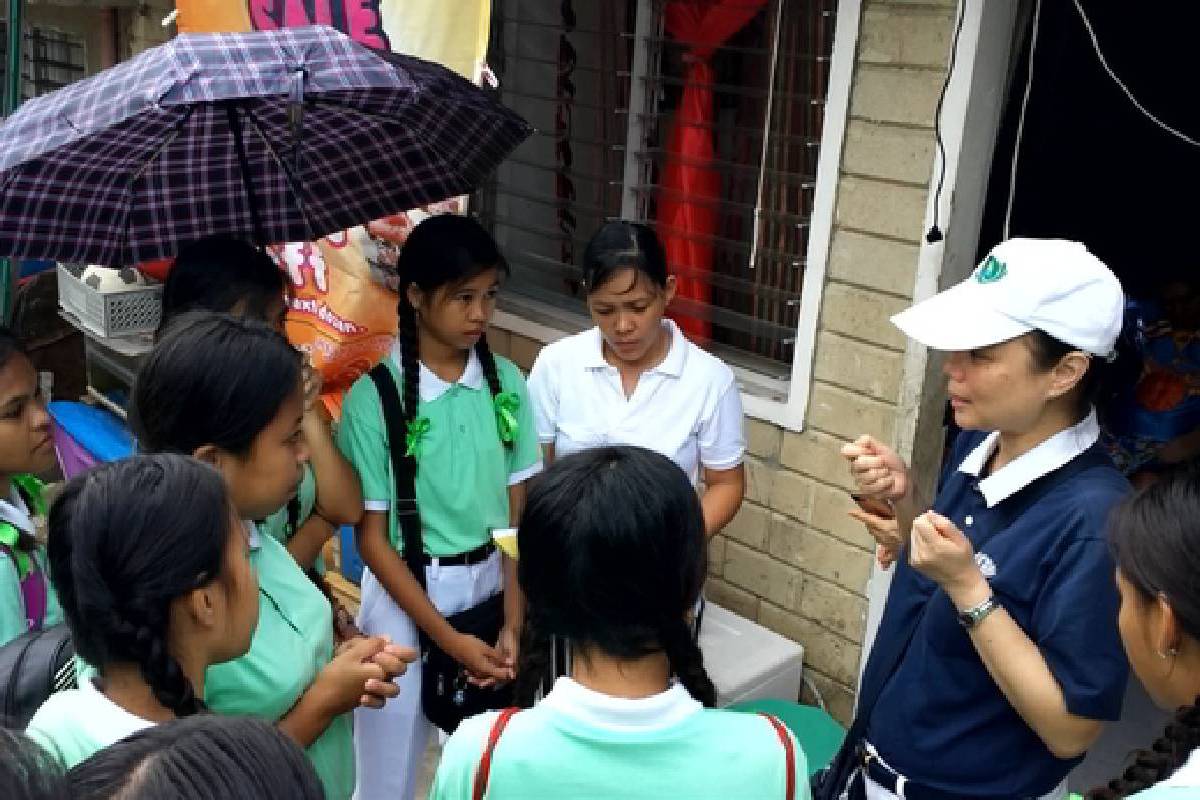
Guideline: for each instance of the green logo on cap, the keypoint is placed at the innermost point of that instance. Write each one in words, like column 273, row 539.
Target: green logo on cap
column 991, row 270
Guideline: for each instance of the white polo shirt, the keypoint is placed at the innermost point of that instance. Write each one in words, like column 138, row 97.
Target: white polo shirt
column 687, row 408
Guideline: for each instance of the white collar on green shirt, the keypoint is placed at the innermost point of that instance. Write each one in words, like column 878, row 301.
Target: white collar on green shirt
column 15, row 511
column 671, row 365
column 1187, row 776
column 432, row 387
column 1024, row 470
column 597, row 710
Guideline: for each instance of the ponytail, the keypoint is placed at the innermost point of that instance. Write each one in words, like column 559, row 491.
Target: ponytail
column 534, row 668
column 125, row 540
column 1167, row 754
column 488, row 361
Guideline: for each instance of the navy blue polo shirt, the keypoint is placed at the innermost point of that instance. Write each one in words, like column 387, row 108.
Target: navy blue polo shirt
column 940, row 719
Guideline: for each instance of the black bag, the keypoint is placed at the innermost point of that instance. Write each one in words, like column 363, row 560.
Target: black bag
column 34, row 666
column 447, row 698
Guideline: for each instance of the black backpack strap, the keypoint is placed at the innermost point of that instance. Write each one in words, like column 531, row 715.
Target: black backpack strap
column 404, row 468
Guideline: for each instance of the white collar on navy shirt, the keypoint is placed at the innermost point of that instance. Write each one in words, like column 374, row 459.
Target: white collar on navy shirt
column 671, row 365
column 15, row 511
column 1024, row 470
column 599, row 710
column 1187, row 776
column 432, row 387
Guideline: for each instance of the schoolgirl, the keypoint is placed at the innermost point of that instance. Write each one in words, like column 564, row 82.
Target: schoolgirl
column 27, row 598
column 228, row 275
column 471, row 433
column 635, row 379
column 1154, row 539
column 205, row 757
column 613, row 558
column 998, row 636
column 229, row 392
column 150, row 562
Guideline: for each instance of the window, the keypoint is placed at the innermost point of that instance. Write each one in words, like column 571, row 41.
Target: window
column 50, row 59
column 603, row 83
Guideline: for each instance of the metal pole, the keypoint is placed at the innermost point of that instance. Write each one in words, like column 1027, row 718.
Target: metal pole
column 12, row 99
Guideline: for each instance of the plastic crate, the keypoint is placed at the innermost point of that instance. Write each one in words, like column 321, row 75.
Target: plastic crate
column 137, row 309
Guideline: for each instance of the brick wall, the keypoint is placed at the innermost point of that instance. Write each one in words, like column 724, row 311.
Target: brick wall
column 792, row 559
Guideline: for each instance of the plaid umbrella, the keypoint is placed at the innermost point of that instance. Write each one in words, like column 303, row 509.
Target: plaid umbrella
column 273, row 136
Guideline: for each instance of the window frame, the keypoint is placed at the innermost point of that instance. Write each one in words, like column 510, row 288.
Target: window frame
column 779, row 401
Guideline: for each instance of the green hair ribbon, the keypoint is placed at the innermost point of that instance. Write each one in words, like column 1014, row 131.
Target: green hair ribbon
column 416, row 432
column 507, row 404
column 8, row 537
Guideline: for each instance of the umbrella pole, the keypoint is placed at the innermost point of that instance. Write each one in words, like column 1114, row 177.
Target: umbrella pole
column 239, row 145
column 12, row 99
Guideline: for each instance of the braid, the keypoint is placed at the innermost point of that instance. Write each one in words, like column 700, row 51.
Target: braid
column 1166, row 755
column 534, row 667
column 410, row 354
column 687, row 662
column 146, row 644
column 488, row 361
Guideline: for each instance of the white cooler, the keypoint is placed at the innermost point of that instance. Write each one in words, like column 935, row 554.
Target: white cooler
column 746, row 661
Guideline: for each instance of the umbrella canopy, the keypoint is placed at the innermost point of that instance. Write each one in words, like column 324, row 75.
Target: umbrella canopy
column 272, row 136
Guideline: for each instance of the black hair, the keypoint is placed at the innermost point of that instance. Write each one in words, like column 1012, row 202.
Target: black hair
column 27, row 772
column 212, row 379
column 217, row 273
column 10, row 345
column 613, row 557
column 206, row 757
column 1155, row 538
column 1092, row 388
column 125, row 539
column 442, row 250
column 621, row 245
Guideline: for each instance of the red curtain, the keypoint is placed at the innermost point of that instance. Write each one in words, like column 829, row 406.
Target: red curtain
column 687, row 213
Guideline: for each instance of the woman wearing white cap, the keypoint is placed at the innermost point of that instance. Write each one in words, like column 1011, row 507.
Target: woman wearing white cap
column 998, row 658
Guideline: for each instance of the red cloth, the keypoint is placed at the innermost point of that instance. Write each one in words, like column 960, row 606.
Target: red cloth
column 687, row 213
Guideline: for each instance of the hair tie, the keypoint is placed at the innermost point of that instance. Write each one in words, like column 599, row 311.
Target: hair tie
column 507, row 404
column 416, row 432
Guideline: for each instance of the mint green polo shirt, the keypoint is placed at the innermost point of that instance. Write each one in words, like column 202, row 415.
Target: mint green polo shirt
column 74, row 724
column 580, row 743
column 292, row 644
column 463, row 469
column 276, row 525
column 13, row 622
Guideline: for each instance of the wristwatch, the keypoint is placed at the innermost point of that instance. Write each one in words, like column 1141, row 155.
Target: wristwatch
column 974, row 615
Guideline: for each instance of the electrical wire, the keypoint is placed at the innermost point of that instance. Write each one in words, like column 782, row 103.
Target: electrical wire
column 1016, row 156
column 935, row 233
column 1121, row 84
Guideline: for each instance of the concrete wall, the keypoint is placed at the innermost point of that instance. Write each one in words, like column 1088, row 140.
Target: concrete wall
column 792, row 559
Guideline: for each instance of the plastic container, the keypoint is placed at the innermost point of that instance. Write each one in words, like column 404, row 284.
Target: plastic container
column 137, row 309
column 85, row 436
column 746, row 661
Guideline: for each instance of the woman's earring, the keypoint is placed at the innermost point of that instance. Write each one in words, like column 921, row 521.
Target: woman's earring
column 1171, row 653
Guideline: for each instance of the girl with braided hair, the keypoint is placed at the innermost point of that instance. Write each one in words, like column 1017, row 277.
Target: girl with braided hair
column 149, row 560
column 228, row 391
column 471, row 437
column 1156, row 544
column 613, row 558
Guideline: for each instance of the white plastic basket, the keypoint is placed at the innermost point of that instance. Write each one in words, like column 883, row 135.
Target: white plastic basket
column 125, row 312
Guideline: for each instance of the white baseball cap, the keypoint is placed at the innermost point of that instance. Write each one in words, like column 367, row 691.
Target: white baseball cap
column 1051, row 285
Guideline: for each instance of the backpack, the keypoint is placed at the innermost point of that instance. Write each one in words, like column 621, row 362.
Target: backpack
column 34, row 666
column 41, row 661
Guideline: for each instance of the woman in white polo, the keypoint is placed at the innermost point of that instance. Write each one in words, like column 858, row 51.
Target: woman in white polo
column 635, row 379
